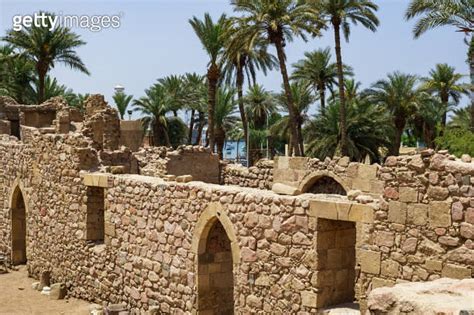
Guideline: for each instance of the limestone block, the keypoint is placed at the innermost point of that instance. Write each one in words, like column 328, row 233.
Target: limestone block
column 369, row 261
column 184, row 178
column 390, row 268
column 361, row 213
column 169, row 178
column 96, row 180
column 433, row 265
column 362, row 184
column 367, row 171
column 397, row 212
column 379, row 282
column 408, row 194
column 309, row 299
column 456, row 272
column 283, row 189
column 417, row 214
column 439, row 214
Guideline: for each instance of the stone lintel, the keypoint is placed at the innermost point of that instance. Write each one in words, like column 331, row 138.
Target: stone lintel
column 96, row 180
column 340, row 210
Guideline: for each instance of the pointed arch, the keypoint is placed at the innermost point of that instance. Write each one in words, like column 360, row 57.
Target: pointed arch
column 216, row 254
column 18, row 216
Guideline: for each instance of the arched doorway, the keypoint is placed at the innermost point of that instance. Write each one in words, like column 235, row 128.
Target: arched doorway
column 326, row 185
column 215, row 271
column 18, row 231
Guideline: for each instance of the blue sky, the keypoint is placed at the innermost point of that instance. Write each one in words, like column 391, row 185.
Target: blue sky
column 155, row 40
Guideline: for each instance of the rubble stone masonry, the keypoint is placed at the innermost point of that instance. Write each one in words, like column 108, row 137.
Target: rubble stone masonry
column 138, row 237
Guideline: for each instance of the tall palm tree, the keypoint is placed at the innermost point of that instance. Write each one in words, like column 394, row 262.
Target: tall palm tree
column 340, row 14
column 122, row 101
column 245, row 58
column 456, row 13
column 195, row 99
column 46, row 47
column 175, row 88
column 154, row 106
column 400, row 95
column 368, row 130
column 444, row 82
column 211, row 34
column 303, row 98
column 278, row 21
column 318, row 69
column 259, row 105
column 224, row 120
column 17, row 75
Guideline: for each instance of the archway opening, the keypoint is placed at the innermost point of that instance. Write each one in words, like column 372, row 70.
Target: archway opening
column 215, row 271
column 18, row 217
column 326, row 185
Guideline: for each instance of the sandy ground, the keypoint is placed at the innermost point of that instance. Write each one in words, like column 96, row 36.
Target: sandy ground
column 17, row 297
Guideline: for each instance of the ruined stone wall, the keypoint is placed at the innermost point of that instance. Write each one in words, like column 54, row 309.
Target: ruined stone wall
column 196, row 161
column 131, row 134
column 424, row 229
column 258, row 176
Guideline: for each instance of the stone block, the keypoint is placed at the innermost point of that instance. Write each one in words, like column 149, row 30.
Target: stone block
column 109, row 229
column 322, row 209
column 169, row 178
column 361, row 184
column 417, row 214
column 439, row 214
column 433, row 265
column 369, row 261
column 367, row 171
column 384, row 238
column 456, row 272
column 408, row 194
column 184, row 178
column 283, row 189
column 361, row 213
column 397, row 212
column 96, row 180
column 379, row 282
column 309, row 299
column 390, row 268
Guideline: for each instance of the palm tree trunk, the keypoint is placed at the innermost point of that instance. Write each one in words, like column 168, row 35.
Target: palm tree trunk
column 237, row 150
column 471, row 67
column 166, row 136
column 301, row 142
column 289, row 97
column 444, row 102
column 191, row 126
column 322, row 96
column 220, row 141
column 201, row 127
column 240, row 96
column 41, row 79
column 342, row 96
column 212, row 77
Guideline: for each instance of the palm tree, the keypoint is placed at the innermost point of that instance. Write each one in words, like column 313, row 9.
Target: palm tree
column 195, row 100
column 368, row 131
column 245, row 58
column 224, row 120
column 303, row 98
column 351, row 89
column 278, row 21
column 318, row 69
column 154, row 106
column 400, row 95
column 444, row 82
column 340, row 13
column 175, row 89
column 212, row 38
column 461, row 118
column 46, row 47
column 259, row 105
column 425, row 122
column 457, row 13
column 122, row 101
column 17, row 75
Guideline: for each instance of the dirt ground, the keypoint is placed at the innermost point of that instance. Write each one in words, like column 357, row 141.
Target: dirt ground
column 17, row 297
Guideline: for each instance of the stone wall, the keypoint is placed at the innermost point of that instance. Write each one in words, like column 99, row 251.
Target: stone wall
column 424, row 229
column 196, row 161
column 258, row 176
column 131, row 134
column 157, row 234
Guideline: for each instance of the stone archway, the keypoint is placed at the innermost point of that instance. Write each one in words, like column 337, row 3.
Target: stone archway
column 217, row 255
column 323, row 182
column 18, row 227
